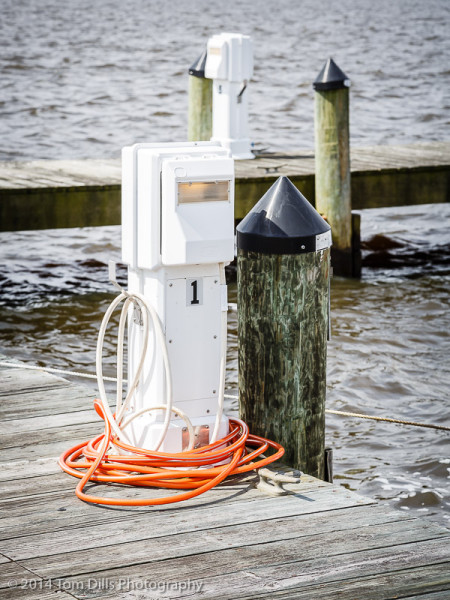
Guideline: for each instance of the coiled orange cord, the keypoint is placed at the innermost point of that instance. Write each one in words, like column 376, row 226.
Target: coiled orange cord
column 144, row 468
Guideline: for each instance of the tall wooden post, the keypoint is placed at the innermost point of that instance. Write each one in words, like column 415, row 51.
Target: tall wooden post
column 283, row 269
column 332, row 158
column 200, row 102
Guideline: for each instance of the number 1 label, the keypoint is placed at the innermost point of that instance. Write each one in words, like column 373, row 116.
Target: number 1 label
column 194, row 292
column 194, row 285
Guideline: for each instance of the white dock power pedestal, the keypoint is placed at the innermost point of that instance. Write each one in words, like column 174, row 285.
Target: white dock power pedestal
column 229, row 64
column 177, row 236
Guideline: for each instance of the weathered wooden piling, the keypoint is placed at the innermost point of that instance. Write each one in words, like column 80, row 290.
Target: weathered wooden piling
column 200, row 102
column 283, row 269
column 332, row 162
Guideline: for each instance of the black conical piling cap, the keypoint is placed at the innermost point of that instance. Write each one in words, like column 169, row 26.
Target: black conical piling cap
column 331, row 78
column 283, row 222
column 198, row 68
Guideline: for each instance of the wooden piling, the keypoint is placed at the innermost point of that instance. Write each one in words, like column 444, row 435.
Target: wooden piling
column 332, row 162
column 200, row 102
column 283, row 275
column 356, row 245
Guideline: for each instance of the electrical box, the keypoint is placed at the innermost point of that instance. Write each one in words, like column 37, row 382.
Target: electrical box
column 177, row 235
column 229, row 63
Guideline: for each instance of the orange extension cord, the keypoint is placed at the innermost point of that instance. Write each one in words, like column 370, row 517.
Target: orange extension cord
column 144, row 468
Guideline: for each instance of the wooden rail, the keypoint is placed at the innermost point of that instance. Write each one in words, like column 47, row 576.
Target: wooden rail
column 47, row 194
column 235, row 542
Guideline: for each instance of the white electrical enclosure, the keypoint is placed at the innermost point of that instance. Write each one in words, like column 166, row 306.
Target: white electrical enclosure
column 229, row 63
column 177, row 234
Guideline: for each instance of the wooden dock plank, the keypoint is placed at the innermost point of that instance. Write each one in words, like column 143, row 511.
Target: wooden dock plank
column 16, row 445
column 18, row 582
column 432, row 596
column 265, row 568
column 401, row 583
column 32, row 381
column 39, row 396
column 93, row 172
column 34, row 486
column 243, row 504
column 249, row 515
column 48, row 592
column 320, row 540
column 18, row 483
column 11, row 572
column 45, row 194
column 60, row 173
column 22, row 468
column 42, row 403
column 17, row 427
column 280, row 541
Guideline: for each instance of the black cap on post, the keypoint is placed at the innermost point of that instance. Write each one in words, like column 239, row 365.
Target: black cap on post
column 331, row 78
column 283, row 222
column 197, row 69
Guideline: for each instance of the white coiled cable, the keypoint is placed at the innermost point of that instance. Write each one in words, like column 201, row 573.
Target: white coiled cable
column 149, row 318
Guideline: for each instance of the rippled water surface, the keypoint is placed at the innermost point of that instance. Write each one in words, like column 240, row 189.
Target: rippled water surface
column 83, row 79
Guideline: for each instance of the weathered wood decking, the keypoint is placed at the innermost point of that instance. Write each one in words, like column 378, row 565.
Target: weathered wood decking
column 47, row 194
column 321, row 541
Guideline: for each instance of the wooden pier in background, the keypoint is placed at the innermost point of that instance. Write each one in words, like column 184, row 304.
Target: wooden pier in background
column 47, row 194
column 234, row 542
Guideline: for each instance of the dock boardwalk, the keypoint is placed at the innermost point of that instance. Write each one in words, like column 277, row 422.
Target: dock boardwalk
column 234, row 542
column 47, row 194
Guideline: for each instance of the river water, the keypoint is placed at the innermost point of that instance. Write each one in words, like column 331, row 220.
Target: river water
column 82, row 79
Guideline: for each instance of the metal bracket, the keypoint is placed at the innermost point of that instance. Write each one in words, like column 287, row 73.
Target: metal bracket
column 112, row 275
